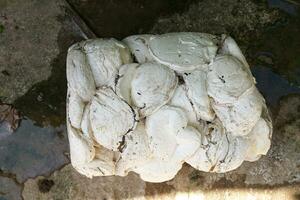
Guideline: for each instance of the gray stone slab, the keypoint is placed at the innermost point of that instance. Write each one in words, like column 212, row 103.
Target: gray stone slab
column 9, row 189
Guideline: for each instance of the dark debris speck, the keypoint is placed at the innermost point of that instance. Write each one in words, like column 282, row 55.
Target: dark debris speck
column 222, row 79
column 5, row 73
column 180, row 80
column 45, row 185
column 1, row 28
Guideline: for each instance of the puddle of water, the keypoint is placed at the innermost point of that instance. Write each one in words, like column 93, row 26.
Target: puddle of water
column 8, row 185
column 4, row 130
column 32, row 150
column 278, row 49
column 40, row 145
column 288, row 6
column 271, row 85
column 274, row 57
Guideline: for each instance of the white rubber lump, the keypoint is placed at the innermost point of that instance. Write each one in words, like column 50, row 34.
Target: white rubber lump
column 150, row 103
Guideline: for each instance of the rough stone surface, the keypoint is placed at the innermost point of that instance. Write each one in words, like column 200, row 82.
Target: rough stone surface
column 275, row 176
column 27, row 44
column 6, row 186
column 128, row 17
column 241, row 19
column 69, row 184
column 31, row 37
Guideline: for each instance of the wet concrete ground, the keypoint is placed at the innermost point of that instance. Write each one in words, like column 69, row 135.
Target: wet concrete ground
column 34, row 37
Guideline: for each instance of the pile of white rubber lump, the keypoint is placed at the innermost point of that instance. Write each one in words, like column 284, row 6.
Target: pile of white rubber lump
column 150, row 103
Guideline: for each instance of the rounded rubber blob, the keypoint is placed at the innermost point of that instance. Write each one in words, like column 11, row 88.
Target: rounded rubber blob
column 240, row 117
column 76, row 107
column 181, row 100
column 86, row 123
column 157, row 171
column 105, row 58
column 227, row 79
column 197, row 93
column 111, row 118
column 139, row 46
column 79, row 75
column 259, row 139
column 188, row 141
column 81, row 150
column 163, row 126
column 183, row 51
column 230, row 47
column 219, row 151
column 152, row 86
column 135, row 152
column 125, row 77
